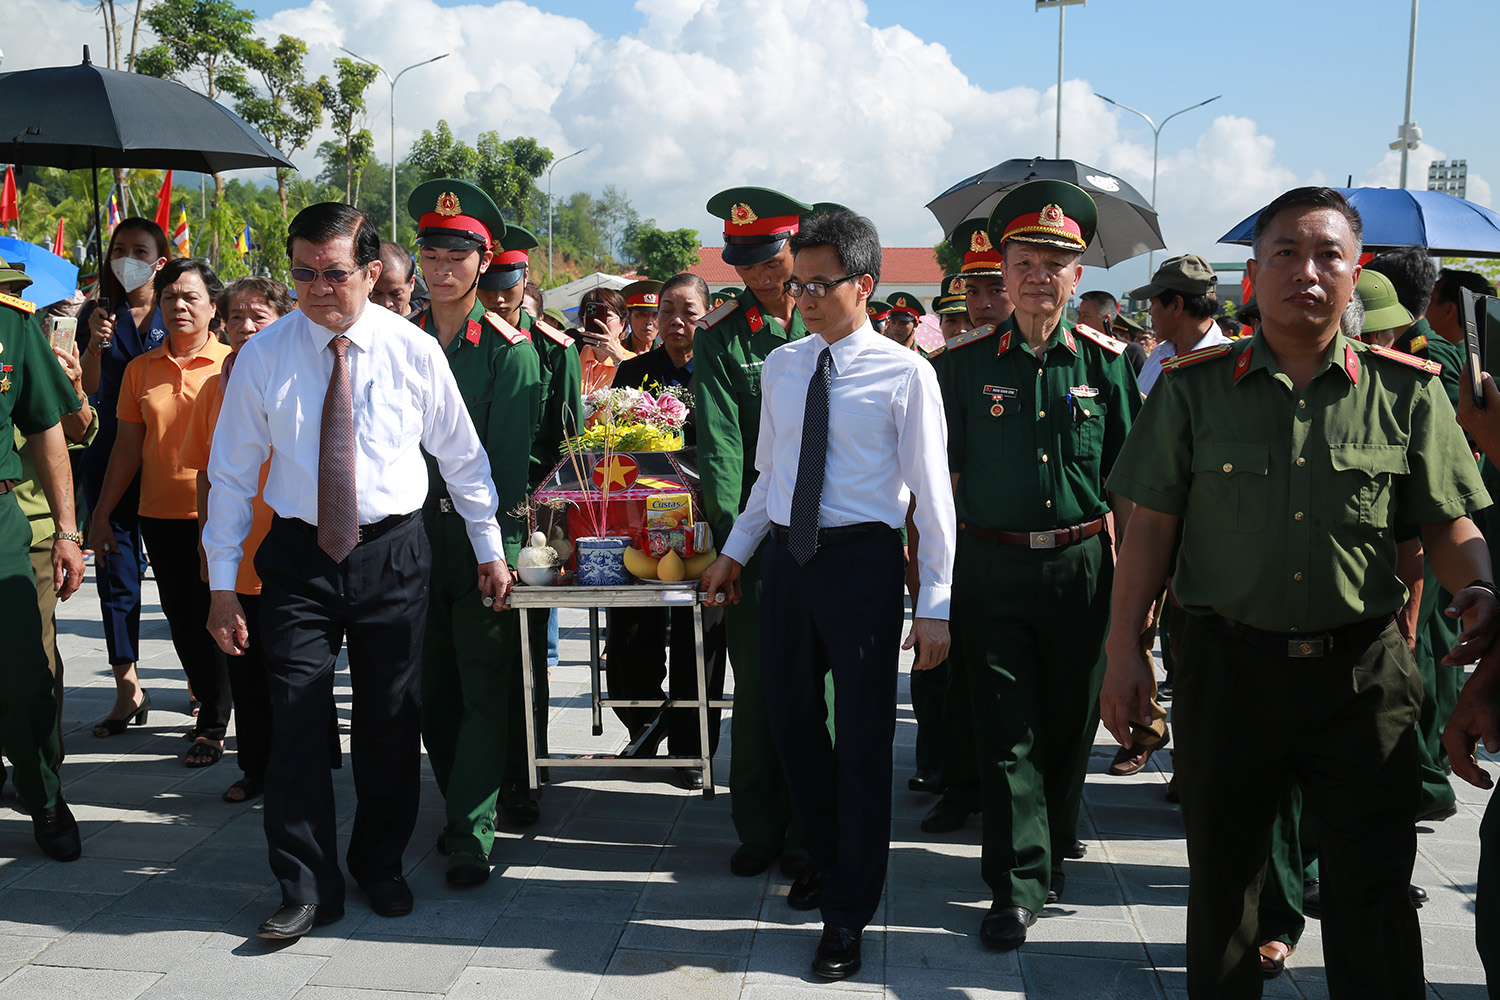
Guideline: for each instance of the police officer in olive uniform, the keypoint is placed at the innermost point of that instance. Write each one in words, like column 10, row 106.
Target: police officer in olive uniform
column 1037, row 412
column 1284, row 463
column 727, row 358
column 502, row 290
column 906, row 310
column 471, row 657
column 34, row 397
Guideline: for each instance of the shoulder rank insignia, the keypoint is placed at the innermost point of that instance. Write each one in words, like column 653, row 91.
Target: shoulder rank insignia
column 1418, row 342
column 717, row 315
column 552, row 333
column 513, row 334
column 1411, row 361
column 978, row 333
column 1177, row 362
column 932, row 354
column 18, row 302
column 1109, row 343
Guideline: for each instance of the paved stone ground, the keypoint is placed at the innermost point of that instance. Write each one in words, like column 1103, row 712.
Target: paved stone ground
column 621, row 891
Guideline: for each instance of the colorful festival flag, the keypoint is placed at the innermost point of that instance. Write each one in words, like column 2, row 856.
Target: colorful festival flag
column 180, row 238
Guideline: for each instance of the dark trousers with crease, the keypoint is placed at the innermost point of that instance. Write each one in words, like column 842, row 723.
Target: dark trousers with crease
column 840, row 615
column 637, row 665
column 376, row 601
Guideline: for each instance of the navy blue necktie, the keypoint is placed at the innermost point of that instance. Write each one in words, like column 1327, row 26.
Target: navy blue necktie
column 807, row 495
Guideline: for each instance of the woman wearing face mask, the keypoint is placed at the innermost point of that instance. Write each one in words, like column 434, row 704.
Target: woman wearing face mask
column 156, row 404
column 122, row 325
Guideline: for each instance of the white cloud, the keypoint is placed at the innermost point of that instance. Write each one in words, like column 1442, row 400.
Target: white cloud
column 1387, row 173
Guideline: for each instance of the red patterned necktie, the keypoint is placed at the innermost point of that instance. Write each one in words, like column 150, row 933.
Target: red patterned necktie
column 338, row 507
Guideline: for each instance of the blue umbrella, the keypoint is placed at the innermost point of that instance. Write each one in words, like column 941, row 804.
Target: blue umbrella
column 1394, row 217
column 52, row 278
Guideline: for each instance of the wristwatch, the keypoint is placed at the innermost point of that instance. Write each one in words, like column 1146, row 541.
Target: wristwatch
column 69, row 536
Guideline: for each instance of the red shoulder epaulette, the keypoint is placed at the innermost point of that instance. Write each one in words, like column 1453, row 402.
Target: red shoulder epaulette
column 514, row 334
column 552, row 333
column 1109, row 343
column 1177, row 362
column 978, row 333
column 715, row 316
column 1410, row 360
column 18, row 302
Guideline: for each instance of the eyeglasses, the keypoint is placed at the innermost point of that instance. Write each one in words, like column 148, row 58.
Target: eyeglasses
column 817, row 289
column 332, row 275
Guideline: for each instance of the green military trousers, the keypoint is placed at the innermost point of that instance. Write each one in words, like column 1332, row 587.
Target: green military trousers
column 1437, row 634
column 471, row 681
column 1028, row 635
column 1291, row 862
column 1343, row 726
column 28, row 708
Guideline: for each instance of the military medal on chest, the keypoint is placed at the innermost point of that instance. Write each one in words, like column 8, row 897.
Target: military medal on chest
column 998, row 394
column 5, row 378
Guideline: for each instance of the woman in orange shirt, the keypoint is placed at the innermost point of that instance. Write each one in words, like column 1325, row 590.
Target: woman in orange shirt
column 601, row 337
column 156, row 402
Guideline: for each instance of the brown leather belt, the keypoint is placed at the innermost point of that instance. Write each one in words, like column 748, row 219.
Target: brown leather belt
column 6, row 485
column 1052, row 538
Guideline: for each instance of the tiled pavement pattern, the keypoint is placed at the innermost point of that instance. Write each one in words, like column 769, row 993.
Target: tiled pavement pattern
column 621, row 891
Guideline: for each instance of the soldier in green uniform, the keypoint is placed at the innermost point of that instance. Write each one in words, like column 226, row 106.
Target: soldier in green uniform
column 471, row 658
column 1037, row 411
column 906, row 310
column 723, row 295
column 34, row 397
column 727, row 358
column 879, row 312
column 502, row 290
column 951, row 309
column 1286, row 461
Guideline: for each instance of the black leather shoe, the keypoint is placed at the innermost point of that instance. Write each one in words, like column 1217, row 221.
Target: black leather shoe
column 746, row 862
column 929, row 780
column 1004, row 927
column 945, row 817
column 56, row 832
column 1077, row 851
column 838, row 953
column 1312, row 899
column 466, row 869
column 389, row 897
column 690, row 778
column 296, row 919
column 807, row 891
column 1059, row 882
column 518, row 805
column 1438, row 814
column 1417, row 893
column 1172, row 791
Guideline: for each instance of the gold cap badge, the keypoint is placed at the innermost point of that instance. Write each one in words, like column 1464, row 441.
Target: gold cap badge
column 980, row 242
column 741, row 215
column 1052, row 216
column 447, row 204
column 957, row 288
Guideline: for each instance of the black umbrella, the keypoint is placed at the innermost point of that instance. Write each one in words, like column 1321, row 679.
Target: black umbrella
column 1127, row 224
column 85, row 117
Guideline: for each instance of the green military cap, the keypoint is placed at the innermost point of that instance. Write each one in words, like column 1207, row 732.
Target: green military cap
column 1383, row 310
column 1249, row 310
column 757, row 222
column 556, row 316
column 642, row 295
column 950, row 298
column 512, row 255
column 1186, row 275
column 454, row 215
column 906, row 304
column 981, row 257
column 1046, row 213
column 723, row 295
column 828, row 208
column 1126, row 327
column 14, row 274
column 878, row 310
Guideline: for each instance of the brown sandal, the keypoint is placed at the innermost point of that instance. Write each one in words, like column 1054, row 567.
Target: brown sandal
column 1273, row 957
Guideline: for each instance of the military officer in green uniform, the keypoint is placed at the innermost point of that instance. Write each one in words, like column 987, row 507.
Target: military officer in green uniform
column 727, row 358
column 906, row 310
column 1285, row 462
column 1037, row 412
column 471, row 658
column 951, row 309
column 502, row 290
column 879, row 312
column 34, row 397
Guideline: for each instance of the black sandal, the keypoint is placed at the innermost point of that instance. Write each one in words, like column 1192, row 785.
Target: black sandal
column 249, row 788
column 114, row 727
column 203, row 752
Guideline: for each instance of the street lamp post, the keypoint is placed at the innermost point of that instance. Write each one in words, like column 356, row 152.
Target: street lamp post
column 1155, row 148
column 585, row 149
column 1062, row 13
column 393, row 80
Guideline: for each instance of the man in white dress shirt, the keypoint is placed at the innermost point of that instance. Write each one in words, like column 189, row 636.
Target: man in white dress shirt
column 852, row 426
column 1184, row 297
column 343, row 396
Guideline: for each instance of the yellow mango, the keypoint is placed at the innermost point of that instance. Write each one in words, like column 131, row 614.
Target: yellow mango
column 670, row 567
column 640, row 565
column 696, row 566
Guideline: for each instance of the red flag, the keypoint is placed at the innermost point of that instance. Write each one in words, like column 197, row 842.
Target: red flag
column 1246, row 289
column 9, row 210
column 164, row 203
column 58, row 246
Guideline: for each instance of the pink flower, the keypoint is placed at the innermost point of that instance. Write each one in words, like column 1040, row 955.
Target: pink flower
column 673, row 411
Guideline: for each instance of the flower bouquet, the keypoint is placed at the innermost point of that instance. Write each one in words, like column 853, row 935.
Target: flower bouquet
column 619, row 420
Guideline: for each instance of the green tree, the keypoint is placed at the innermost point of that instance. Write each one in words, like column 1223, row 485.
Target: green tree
column 616, row 220
column 949, row 258
column 508, row 170
column 345, row 104
column 204, row 41
column 663, row 254
column 437, row 153
column 289, row 109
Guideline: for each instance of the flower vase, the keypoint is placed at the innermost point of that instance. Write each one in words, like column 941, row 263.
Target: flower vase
column 601, row 562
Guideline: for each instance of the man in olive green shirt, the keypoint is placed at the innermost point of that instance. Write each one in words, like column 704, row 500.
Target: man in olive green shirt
column 1037, row 411
column 1287, row 460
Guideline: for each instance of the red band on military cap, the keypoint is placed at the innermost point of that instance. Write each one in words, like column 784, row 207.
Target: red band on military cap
column 975, row 259
column 774, row 226
column 904, row 310
column 885, row 314
column 510, row 257
column 1050, row 221
column 459, row 223
column 643, row 300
